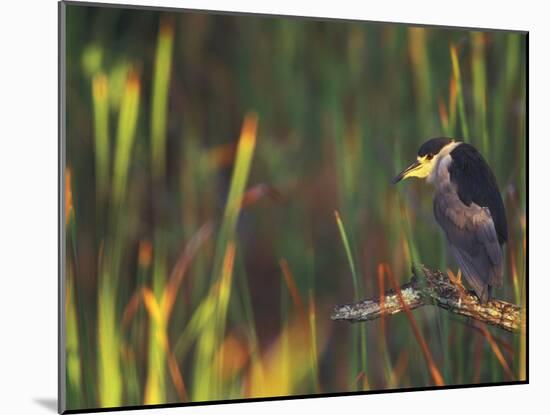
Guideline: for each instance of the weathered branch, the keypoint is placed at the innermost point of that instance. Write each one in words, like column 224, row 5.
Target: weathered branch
column 429, row 287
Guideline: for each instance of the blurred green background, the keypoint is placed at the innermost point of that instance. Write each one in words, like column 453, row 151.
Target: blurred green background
column 228, row 182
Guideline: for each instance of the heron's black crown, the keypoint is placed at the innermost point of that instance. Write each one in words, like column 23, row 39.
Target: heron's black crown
column 433, row 146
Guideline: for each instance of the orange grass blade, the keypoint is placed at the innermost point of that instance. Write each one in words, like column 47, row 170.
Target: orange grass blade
column 496, row 350
column 180, row 269
column 291, row 284
column 361, row 378
column 452, row 104
column 68, row 195
column 434, row 371
column 152, row 305
column 502, row 343
column 231, row 357
column 477, row 360
column 176, row 375
column 221, row 156
column 257, row 192
column 443, row 116
column 131, row 308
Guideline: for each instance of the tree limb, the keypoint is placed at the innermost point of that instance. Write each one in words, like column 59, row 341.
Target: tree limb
column 428, row 287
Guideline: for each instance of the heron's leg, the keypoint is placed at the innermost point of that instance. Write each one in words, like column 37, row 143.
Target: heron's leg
column 457, row 282
column 456, row 279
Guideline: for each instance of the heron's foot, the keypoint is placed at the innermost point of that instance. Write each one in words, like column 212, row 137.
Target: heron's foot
column 457, row 282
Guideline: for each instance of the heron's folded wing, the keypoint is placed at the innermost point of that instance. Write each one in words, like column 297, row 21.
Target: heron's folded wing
column 471, row 233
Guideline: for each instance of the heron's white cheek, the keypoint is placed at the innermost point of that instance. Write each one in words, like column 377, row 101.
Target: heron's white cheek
column 432, row 171
column 440, row 171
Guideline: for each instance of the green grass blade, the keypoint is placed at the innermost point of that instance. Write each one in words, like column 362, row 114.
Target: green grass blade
column 161, row 83
column 101, row 133
column 349, row 255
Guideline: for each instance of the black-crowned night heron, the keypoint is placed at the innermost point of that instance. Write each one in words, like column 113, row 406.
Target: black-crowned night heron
column 468, row 206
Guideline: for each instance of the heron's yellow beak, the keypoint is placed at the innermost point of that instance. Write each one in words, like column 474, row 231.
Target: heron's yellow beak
column 421, row 168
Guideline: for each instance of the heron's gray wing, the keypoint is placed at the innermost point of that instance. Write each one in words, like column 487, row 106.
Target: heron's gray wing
column 473, row 240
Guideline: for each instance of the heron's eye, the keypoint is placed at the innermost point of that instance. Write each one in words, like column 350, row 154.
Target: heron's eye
column 430, row 156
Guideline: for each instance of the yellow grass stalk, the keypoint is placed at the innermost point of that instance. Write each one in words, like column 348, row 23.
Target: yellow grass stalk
column 282, row 368
column 109, row 372
column 109, row 341
column 160, row 352
column 158, row 342
column 127, row 122
column 155, row 386
column 239, row 178
column 72, row 348
column 207, row 383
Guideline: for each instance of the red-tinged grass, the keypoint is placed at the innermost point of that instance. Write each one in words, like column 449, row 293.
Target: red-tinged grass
column 443, row 115
column 221, row 156
column 434, row 371
column 232, row 356
column 361, row 380
column 145, row 253
column 254, row 194
column 292, row 288
column 160, row 311
column 182, row 265
column 175, row 374
column 167, row 26
column 452, row 106
column 496, row 350
column 131, row 308
column 257, row 192
column 151, row 304
column 155, row 312
column 68, row 195
column 478, row 355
